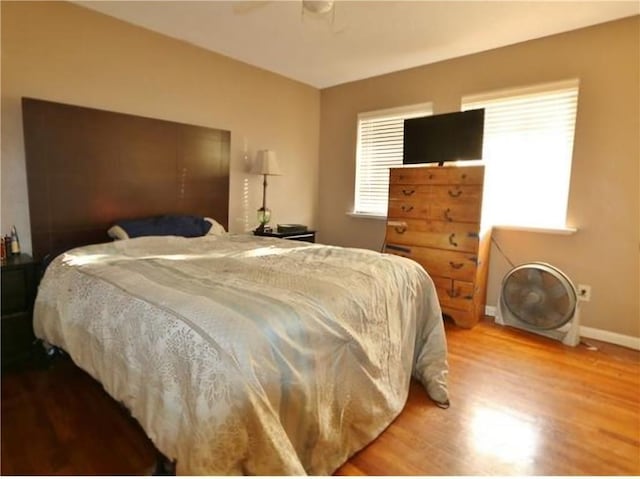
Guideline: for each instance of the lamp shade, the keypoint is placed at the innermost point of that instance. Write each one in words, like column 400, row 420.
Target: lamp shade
column 266, row 163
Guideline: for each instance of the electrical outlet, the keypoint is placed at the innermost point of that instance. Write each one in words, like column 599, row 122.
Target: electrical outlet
column 584, row 292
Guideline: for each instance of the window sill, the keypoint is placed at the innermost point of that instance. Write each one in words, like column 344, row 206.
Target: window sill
column 566, row 231
column 368, row 216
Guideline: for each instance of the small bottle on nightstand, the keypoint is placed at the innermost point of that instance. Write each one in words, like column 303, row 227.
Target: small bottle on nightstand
column 15, row 243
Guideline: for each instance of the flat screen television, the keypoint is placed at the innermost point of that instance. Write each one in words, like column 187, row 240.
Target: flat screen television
column 447, row 137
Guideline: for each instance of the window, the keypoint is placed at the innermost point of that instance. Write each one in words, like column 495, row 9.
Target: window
column 528, row 146
column 379, row 148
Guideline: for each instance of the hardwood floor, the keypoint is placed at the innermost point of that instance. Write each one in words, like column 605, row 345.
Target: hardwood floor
column 59, row 421
column 521, row 405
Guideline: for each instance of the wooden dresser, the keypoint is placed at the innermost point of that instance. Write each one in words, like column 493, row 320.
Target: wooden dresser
column 434, row 218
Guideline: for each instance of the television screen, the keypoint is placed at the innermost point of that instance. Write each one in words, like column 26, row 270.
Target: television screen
column 447, row 137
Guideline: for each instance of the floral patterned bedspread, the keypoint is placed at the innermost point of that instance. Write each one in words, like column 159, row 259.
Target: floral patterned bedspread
column 248, row 355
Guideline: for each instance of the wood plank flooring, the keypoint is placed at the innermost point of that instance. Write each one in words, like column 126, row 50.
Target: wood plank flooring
column 521, row 405
column 59, row 421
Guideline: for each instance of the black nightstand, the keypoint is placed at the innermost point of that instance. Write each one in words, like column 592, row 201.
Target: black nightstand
column 19, row 283
column 308, row 236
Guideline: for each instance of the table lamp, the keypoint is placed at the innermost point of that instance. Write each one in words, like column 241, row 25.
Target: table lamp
column 266, row 165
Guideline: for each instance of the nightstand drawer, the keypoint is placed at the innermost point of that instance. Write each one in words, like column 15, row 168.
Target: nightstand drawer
column 17, row 335
column 307, row 236
column 15, row 297
column 18, row 294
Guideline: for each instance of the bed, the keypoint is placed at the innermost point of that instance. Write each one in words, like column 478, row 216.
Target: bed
column 236, row 354
column 248, row 355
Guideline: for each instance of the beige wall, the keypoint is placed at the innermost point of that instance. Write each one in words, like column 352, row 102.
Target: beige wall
column 65, row 53
column 603, row 203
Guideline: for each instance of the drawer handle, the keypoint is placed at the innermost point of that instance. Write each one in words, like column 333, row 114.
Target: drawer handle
column 453, row 293
column 399, row 248
column 464, row 175
column 431, row 176
column 406, row 208
column 446, row 214
column 454, row 194
column 451, row 242
column 408, row 192
column 400, row 229
column 456, row 265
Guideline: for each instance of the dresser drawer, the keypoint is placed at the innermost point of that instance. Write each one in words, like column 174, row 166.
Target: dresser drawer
column 435, row 234
column 409, row 192
column 410, row 208
column 438, row 202
column 440, row 175
column 456, row 194
column 439, row 262
column 429, row 208
column 466, row 207
column 464, row 319
column 454, row 294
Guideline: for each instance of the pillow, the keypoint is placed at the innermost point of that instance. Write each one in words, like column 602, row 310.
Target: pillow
column 168, row 225
column 117, row 233
column 216, row 228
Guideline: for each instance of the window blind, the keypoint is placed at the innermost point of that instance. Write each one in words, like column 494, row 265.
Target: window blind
column 379, row 147
column 528, row 148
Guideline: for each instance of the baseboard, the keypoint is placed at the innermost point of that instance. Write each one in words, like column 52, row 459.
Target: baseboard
column 593, row 333
column 609, row 337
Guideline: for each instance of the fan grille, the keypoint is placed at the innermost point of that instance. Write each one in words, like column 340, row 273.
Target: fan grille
column 539, row 295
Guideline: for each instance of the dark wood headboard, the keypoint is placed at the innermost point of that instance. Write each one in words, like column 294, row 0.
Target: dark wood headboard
column 88, row 168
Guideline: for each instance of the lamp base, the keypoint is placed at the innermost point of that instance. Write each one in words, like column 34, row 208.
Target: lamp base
column 264, row 215
column 263, row 229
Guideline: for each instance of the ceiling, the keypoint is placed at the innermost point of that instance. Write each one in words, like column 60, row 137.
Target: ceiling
column 359, row 39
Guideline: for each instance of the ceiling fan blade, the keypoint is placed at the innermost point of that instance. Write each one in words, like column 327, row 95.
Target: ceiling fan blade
column 317, row 6
column 247, row 6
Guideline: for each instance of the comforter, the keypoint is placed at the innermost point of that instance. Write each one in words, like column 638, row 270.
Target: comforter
column 247, row 355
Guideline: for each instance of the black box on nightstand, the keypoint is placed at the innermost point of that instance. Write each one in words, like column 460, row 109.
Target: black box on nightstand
column 291, row 228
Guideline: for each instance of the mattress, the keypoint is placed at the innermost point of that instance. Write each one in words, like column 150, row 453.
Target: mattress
column 248, row 355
